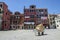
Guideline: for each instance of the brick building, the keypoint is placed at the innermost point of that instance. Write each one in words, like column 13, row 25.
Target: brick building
column 5, row 24
column 34, row 16
column 16, row 21
column 29, row 17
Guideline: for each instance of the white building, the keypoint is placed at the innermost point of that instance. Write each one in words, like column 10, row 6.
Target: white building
column 57, row 21
column 51, row 18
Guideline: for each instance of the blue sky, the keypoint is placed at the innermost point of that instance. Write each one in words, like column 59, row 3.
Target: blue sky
column 53, row 6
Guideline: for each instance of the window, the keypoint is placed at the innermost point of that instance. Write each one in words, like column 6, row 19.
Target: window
column 31, row 10
column 18, row 27
column 0, row 5
column 26, row 10
column 54, row 22
column 32, row 6
column 5, row 24
column 46, row 15
column 42, row 15
column 38, row 16
column 40, row 10
column 14, row 22
column 31, row 21
column 31, row 16
column 13, row 26
column 53, row 18
column 51, row 23
column 6, row 13
column 57, row 25
column 0, row 10
column 45, row 10
column 17, row 17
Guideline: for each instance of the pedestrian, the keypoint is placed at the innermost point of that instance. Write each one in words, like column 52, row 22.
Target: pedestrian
column 40, row 28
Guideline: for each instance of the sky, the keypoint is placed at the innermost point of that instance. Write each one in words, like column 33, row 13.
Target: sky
column 53, row 6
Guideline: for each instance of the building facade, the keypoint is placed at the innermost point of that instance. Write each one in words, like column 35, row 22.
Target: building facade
column 29, row 17
column 52, row 23
column 34, row 16
column 5, row 16
column 29, row 20
column 16, row 21
column 57, row 21
column 42, row 17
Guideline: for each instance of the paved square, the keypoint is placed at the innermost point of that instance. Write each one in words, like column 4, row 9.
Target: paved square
column 51, row 34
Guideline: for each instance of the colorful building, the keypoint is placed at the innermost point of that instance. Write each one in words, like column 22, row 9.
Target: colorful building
column 34, row 16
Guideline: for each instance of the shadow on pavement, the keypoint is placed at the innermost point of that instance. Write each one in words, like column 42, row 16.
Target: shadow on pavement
column 42, row 35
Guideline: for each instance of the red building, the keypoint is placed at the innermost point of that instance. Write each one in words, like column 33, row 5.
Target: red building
column 5, row 16
column 30, row 17
column 16, row 21
column 35, row 16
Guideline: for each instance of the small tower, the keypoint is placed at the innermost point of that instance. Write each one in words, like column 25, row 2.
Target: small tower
column 32, row 6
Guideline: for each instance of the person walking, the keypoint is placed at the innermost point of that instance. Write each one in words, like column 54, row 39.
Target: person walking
column 40, row 28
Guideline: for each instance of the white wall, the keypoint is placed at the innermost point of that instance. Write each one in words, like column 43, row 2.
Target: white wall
column 57, row 20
